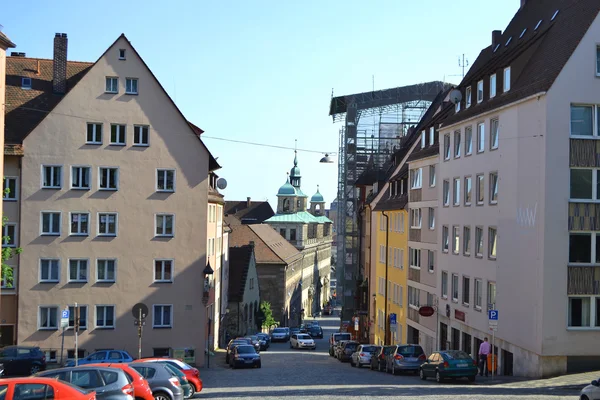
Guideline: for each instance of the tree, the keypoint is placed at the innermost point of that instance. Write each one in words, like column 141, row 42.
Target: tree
column 266, row 317
column 7, row 254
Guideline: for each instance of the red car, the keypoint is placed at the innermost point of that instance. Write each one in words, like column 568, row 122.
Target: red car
column 42, row 388
column 192, row 374
column 141, row 388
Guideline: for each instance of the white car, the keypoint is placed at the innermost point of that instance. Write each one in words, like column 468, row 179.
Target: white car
column 591, row 391
column 302, row 341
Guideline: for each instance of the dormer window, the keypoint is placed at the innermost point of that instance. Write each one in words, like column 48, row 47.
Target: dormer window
column 395, row 188
column 492, row 86
column 457, row 107
column 508, row 41
column 26, row 83
column 523, row 33
column 555, row 14
column 479, row 91
column 496, row 48
column 431, row 135
column 538, row 24
column 468, row 97
column 423, row 139
column 506, row 79
column 121, row 54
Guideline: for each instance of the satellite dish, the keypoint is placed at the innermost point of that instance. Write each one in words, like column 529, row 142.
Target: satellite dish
column 221, row 183
column 455, row 96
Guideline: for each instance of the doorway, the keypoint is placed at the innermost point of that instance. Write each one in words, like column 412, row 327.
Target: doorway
column 455, row 339
column 507, row 363
column 412, row 335
column 7, row 335
column 443, row 336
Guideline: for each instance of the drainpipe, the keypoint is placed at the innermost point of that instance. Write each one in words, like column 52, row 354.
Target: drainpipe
column 387, row 254
column 221, row 330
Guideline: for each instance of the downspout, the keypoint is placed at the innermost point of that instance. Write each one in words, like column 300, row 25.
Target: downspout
column 16, row 281
column 360, row 289
column 219, row 343
column 368, row 301
column 387, row 254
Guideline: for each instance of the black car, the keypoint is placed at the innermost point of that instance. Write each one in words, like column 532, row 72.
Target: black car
column 22, row 360
column 378, row 359
column 264, row 340
column 244, row 355
column 315, row 332
column 232, row 343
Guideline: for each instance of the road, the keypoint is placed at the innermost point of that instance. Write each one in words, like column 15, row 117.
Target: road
column 301, row 374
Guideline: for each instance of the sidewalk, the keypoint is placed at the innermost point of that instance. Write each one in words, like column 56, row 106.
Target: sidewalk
column 571, row 381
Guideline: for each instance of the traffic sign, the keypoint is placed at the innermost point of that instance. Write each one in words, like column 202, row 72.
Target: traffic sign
column 493, row 315
column 494, row 328
column 65, row 313
column 393, row 319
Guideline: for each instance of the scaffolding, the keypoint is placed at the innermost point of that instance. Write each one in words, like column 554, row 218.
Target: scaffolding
column 375, row 123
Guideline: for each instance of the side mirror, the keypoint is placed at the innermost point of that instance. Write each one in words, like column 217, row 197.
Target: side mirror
column 595, row 383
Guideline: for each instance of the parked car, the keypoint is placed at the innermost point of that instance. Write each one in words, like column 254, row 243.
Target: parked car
column 163, row 383
column 405, row 357
column 591, row 391
column 302, row 341
column 42, row 388
column 108, row 383
column 22, row 360
column 378, row 359
column 334, row 340
column 103, row 357
column 192, row 374
column 362, row 355
column 449, row 364
column 232, row 343
column 188, row 388
column 345, row 353
column 264, row 340
column 244, row 356
column 280, row 335
column 339, row 347
column 255, row 342
column 141, row 387
column 316, row 331
column 293, row 331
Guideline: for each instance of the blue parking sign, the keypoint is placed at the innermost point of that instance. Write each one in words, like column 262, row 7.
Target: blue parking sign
column 392, row 319
column 65, row 314
column 493, row 315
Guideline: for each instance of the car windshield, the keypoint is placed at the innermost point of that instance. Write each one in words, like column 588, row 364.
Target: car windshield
column 341, row 336
column 351, row 346
column 303, row 337
column 181, row 364
column 410, row 351
column 279, row 330
column 457, row 355
column 370, row 349
column 173, row 369
column 246, row 350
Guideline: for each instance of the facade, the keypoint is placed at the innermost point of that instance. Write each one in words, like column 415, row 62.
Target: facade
column 521, row 237
column 331, row 213
column 112, row 190
column 310, row 232
column 244, row 292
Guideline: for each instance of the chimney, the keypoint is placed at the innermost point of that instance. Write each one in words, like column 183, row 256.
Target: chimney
column 247, row 202
column 59, row 65
column 496, row 37
column 252, row 243
column 523, row 2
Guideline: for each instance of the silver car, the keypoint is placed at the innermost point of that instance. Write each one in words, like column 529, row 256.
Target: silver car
column 591, row 391
column 405, row 357
column 164, row 385
column 362, row 355
column 108, row 383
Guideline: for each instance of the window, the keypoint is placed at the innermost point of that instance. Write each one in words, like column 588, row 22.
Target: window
column 26, row 83
column 457, row 144
column 480, row 189
column 580, row 312
column 414, row 295
column 107, row 225
column 8, row 280
column 94, row 133
column 445, row 239
column 468, row 140
column 491, row 295
column 431, row 260
column 163, row 271
column 292, row 234
column 457, row 107
column 466, row 293
column 140, row 135
column 431, row 218
column 48, row 318
column 479, row 241
column 416, row 178
column 415, row 218
column 597, row 60
column 80, row 224
column 455, row 239
column 478, row 294
column 432, row 175
column 78, row 270
column 118, row 134
column 492, row 238
column 431, row 135
column 106, row 270
column 456, row 194
column 446, row 192
column 283, row 232
column 447, row 147
column 163, row 316
column 131, row 86
column 10, row 189
column 51, row 223
column 83, row 311
column 468, row 190
column 444, row 284
column 414, row 258
column 423, row 139
column 467, row 240
column 494, row 188
column 105, row 317
column 112, row 85
column 49, row 270
column 455, row 287
column 582, row 121
column 52, row 176
column 480, row 137
column 80, row 178
column 251, row 283
column 506, row 79
column 164, row 225
column 381, row 253
column 479, row 91
column 165, row 180
column 9, row 235
column 468, row 97
column 121, row 54
column 109, row 178
column 492, row 86
column 495, row 128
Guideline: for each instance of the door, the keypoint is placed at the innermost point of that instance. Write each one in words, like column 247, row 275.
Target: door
column 429, row 367
column 24, row 360
column 7, row 335
column 507, row 363
column 115, row 356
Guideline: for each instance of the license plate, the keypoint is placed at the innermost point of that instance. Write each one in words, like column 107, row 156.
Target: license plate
column 461, row 365
column 411, row 359
column 248, row 361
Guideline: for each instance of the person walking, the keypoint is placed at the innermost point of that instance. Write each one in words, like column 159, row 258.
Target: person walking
column 484, row 349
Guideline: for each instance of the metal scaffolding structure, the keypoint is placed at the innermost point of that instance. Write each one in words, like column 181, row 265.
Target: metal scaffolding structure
column 385, row 117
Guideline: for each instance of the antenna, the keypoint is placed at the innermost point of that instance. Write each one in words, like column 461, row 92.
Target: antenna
column 295, row 144
column 373, row 77
column 464, row 64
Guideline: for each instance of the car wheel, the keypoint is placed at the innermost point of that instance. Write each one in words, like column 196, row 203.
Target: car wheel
column 379, row 367
column 438, row 377
column 472, row 378
column 422, row 374
column 393, row 369
column 226, row 359
column 358, row 365
column 584, row 397
column 161, row 396
column 192, row 390
column 34, row 369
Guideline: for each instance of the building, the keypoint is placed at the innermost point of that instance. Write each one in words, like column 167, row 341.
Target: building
column 310, row 233
column 331, row 213
column 520, row 161
column 244, row 292
column 112, row 192
column 277, row 262
column 248, row 212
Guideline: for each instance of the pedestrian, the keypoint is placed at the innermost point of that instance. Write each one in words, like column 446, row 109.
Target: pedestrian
column 484, row 350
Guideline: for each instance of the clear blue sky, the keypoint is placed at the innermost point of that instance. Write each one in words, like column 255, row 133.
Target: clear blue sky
column 263, row 71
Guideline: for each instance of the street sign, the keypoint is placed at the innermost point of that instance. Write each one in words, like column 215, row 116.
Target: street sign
column 64, row 323
column 140, row 309
column 493, row 315
column 65, row 314
column 393, row 319
column 494, row 328
column 356, row 324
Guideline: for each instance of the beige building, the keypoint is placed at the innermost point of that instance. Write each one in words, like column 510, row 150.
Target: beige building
column 244, row 292
column 520, row 161
column 112, row 203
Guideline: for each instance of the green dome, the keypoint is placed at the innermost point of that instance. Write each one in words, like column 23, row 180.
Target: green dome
column 295, row 171
column 317, row 197
column 287, row 190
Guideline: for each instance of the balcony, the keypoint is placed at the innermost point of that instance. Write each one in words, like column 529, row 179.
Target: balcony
column 414, row 274
column 415, row 195
column 413, row 314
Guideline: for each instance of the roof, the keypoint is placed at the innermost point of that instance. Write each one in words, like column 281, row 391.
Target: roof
column 276, row 243
column 300, row 217
column 536, row 58
column 269, row 246
column 239, row 266
column 213, row 165
column 317, row 197
column 287, row 190
column 257, row 213
column 5, row 41
column 388, row 203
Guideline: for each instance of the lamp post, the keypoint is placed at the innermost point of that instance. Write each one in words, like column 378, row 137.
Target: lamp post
column 208, row 273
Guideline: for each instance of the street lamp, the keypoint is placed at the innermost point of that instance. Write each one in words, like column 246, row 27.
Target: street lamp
column 208, row 273
column 326, row 159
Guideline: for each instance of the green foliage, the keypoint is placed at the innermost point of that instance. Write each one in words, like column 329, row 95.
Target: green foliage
column 267, row 320
column 8, row 253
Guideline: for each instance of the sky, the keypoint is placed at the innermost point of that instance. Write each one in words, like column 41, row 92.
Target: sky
column 264, row 71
